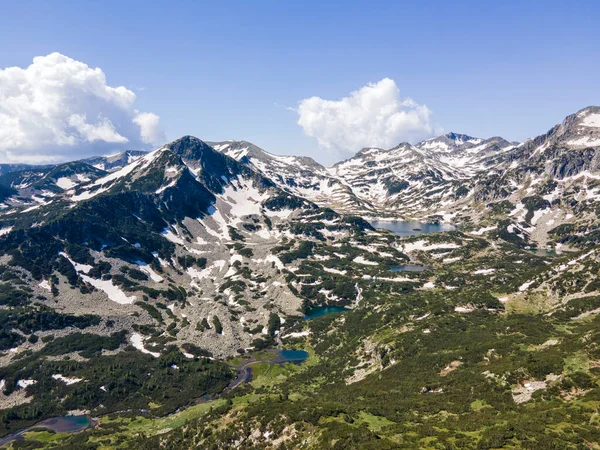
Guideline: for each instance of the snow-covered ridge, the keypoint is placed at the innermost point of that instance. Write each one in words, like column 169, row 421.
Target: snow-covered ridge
column 436, row 177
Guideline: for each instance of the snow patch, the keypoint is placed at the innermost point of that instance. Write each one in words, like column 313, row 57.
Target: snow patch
column 296, row 335
column 366, row 262
column 481, row 231
column 592, row 120
column 114, row 293
column 423, row 246
column 484, row 271
column 338, row 272
column 24, row 383
column 137, row 340
column 146, row 268
column 67, row 380
column 65, row 183
column 276, row 260
column 168, row 233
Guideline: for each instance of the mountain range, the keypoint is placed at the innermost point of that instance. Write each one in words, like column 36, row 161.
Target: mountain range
column 197, row 253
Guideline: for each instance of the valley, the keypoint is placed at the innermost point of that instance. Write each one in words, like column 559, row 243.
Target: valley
column 212, row 295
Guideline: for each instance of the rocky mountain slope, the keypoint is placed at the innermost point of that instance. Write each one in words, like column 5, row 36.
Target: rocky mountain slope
column 376, row 181
column 181, row 236
column 301, row 176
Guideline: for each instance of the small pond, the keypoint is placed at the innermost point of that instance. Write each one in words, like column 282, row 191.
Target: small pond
column 66, row 424
column 410, row 268
column 293, row 356
column 319, row 311
column 402, row 228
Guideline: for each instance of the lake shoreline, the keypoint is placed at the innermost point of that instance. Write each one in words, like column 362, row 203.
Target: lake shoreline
column 52, row 425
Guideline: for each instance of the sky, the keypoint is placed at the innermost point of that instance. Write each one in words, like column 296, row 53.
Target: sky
column 312, row 78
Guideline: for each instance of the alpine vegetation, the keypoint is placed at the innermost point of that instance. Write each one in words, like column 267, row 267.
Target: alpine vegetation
column 443, row 294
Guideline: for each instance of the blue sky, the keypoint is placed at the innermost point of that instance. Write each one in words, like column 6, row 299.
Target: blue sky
column 228, row 70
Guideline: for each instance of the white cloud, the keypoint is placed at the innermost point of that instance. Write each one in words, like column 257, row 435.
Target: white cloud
column 58, row 108
column 103, row 131
column 373, row 116
column 150, row 129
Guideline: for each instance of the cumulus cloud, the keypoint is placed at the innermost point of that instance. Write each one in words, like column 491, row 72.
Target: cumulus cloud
column 58, row 108
column 103, row 131
column 373, row 116
column 150, row 130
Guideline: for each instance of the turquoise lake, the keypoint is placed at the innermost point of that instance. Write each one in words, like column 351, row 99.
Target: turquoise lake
column 319, row 311
column 295, row 356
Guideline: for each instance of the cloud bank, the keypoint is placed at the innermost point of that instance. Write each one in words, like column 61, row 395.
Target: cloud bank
column 372, row 116
column 58, row 108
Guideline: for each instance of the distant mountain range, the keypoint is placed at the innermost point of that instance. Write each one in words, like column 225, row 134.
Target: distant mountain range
column 450, row 178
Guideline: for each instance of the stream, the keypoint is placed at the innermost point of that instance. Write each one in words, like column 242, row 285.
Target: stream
column 74, row 424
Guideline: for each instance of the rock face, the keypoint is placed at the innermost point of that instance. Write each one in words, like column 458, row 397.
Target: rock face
column 569, row 148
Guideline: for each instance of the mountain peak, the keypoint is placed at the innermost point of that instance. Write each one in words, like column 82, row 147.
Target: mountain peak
column 190, row 147
column 579, row 130
column 115, row 161
column 185, row 140
column 449, row 142
column 592, row 109
column 246, row 152
column 588, row 117
column 368, row 150
column 460, row 138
